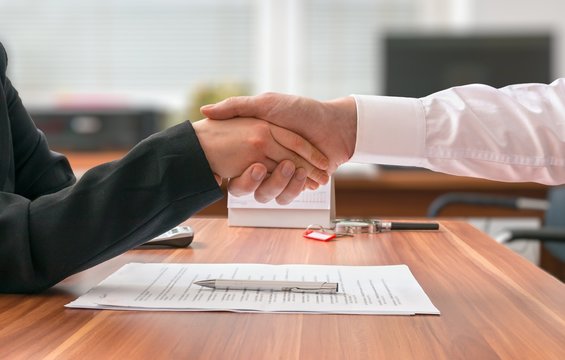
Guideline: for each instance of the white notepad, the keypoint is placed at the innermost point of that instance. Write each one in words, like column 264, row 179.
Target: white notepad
column 386, row 290
column 309, row 208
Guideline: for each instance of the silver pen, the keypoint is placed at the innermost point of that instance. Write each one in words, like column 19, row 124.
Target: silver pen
column 294, row 286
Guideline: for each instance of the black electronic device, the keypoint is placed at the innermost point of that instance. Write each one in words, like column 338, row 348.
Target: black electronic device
column 83, row 129
column 417, row 65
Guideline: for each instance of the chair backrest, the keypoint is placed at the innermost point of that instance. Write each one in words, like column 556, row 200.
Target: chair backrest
column 555, row 217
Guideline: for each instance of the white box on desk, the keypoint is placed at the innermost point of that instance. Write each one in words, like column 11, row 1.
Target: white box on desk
column 310, row 207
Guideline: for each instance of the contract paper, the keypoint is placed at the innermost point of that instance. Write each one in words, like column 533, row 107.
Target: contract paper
column 386, row 290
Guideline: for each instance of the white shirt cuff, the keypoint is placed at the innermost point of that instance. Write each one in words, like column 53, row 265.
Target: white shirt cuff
column 390, row 131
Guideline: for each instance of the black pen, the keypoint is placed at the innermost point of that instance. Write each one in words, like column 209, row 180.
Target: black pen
column 391, row 225
column 355, row 226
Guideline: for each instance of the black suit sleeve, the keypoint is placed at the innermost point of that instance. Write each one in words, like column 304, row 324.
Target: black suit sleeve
column 51, row 227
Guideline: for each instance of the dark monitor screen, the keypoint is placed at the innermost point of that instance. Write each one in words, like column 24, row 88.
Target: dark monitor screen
column 418, row 65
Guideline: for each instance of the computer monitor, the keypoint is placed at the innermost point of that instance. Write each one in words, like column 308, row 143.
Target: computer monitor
column 418, row 65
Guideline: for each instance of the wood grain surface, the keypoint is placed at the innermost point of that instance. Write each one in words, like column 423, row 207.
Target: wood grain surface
column 493, row 303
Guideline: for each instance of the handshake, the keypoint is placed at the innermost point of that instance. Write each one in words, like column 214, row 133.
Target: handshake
column 277, row 145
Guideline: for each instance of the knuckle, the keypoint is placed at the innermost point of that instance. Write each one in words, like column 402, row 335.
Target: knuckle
column 269, row 99
column 257, row 142
column 260, row 135
column 231, row 101
column 235, row 103
column 268, row 96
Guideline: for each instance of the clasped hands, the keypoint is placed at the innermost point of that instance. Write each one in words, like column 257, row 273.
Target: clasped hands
column 277, row 145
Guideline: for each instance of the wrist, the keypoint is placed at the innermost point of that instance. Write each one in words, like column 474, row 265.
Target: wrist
column 203, row 135
column 343, row 115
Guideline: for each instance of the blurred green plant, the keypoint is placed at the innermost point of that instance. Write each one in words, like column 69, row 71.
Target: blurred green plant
column 212, row 93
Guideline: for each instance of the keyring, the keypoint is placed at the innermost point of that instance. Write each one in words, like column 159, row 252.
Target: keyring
column 357, row 226
column 319, row 232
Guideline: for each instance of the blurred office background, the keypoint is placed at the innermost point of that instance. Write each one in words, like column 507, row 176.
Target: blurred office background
column 102, row 74
column 165, row 51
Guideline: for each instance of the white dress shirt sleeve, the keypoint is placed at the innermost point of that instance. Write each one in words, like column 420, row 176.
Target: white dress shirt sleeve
column 516, row 133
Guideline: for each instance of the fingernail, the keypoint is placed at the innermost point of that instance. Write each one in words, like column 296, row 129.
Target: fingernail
column 206, row 107
column 258, row 173
column 262, row 200
column 283, row 201
column 288, row 169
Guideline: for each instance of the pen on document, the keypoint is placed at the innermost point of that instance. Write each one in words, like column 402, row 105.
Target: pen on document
column 294, row 286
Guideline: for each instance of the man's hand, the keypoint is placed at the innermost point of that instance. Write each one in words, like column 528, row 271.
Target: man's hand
column 330, row 126
column 231, row 147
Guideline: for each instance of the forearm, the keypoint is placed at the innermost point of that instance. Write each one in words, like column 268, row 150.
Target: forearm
column 509, row 134
column 114, row 207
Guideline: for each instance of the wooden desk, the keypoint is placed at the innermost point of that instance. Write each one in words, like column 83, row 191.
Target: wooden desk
column 390, row 193
column 493, row 304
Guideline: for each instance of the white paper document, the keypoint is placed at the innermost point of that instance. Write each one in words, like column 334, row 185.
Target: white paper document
column 391, row 290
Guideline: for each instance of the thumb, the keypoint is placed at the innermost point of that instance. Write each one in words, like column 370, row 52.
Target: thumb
column 237, row 106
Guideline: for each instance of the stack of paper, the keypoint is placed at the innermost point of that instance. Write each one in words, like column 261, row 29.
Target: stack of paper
column 164, row 286
column 308, row 208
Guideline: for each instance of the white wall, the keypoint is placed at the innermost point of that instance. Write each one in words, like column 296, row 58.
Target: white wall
column 161, row 48
column 167, row 48
column 544, row 15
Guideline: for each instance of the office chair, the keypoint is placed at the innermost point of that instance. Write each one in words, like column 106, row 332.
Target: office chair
column 552, row 233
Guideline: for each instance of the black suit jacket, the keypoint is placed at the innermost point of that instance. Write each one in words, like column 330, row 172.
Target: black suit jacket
column 52, row 227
